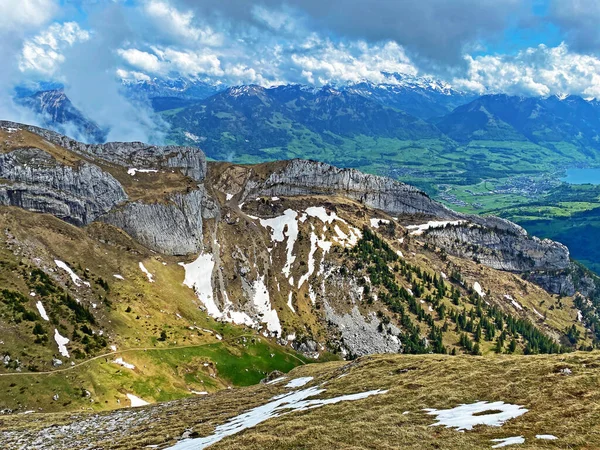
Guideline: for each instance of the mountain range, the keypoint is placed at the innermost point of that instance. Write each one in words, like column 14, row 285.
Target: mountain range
column 133, row 274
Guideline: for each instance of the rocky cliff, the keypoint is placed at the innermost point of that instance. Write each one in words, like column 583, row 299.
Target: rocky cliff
column 270, row 245
column 36, row 181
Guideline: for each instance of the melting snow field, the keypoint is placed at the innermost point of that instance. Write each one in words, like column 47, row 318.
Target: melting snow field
column 279, row 405
column 133, row 171
column 74, row 277
column 262, row 304
column 148, row 274
column 136, row 401
column 62, row 342
column 420, row 229
column 278, row 225
column 375, row 223
column 120, row 362
column 547, row 437
column 42, row 310
column 477, row 288
column 508, row 441
column 463, row 417
column 299, row 382
column 198, row 276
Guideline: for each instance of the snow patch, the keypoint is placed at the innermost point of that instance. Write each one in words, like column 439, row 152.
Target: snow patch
column 120, row 362
column 299, row 382
column 420, row 229
column 228, row 197
column 133, row 171
column 148, row 274
column 462, row 417
column 74, row 277
column 262, row 304
column 375, row 223
column 477, row 288
column 42, row 310
column 62, row 342
column 284, row 226
column 289, row 302
column 279, row 405
column 136, row 401
column 547, row 437
column 118, row 277
column 198, row 276
column 503, row 442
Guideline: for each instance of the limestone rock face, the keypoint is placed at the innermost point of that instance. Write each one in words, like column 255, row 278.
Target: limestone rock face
column 172, row 228
column 38, row 182
column 190, row 161
column 500, row 248
column 300, row 177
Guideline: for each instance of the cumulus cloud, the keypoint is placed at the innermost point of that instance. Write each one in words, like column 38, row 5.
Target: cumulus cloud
column 538, row 71
column 18, row 14
column 43, row 52
column 181, row 24
column 326, row 63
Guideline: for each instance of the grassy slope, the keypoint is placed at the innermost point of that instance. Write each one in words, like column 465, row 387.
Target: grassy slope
column 566, row 406
column 138, row 313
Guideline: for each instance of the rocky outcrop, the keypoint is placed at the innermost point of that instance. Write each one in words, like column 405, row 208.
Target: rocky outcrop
column 191, row 161
column 298, row 177
column 39, row 183
column 173, row 227
column 364, row 335
column 499, row 248
column 574, row 279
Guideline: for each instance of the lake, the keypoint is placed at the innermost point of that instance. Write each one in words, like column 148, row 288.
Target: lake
column 582, row 176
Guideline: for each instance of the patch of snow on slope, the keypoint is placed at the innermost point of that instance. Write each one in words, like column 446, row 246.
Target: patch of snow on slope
column 515, row 303
column 462, row 417
column 148, row 274
column 538, row 313
column 375, row 223
column 136, row 401
column 504, row 442
column 198, row 276
column 133, row 171
column 42, row 310
column 62, row 342
column 118, row 277
column 279, row 405
column 289, row 302
column 420, row 229
column 262, row 304
column 276, row 380
column 284, row 226
column 228, row 197
column 311, row 259
column 299, row 382
column 74, row 277
column 477, row 288
column 547, row 437
column 579, row 316
column 321, row 213
column 120, row 362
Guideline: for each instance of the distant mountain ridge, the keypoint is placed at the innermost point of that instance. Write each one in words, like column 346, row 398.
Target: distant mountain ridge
column 58, row 113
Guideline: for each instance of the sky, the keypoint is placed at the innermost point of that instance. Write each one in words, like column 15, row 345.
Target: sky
column 518, row 47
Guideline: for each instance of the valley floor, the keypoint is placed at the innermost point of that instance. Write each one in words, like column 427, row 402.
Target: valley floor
column 549, row 401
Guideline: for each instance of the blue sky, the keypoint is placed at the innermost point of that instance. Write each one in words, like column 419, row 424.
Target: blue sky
column 520, row 47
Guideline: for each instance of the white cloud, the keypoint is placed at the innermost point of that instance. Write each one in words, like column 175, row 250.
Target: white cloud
column 18, row 14
column 535, row 71
column 142, row 60
column 326, row 62
column 181, row 24
column 43, row 53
